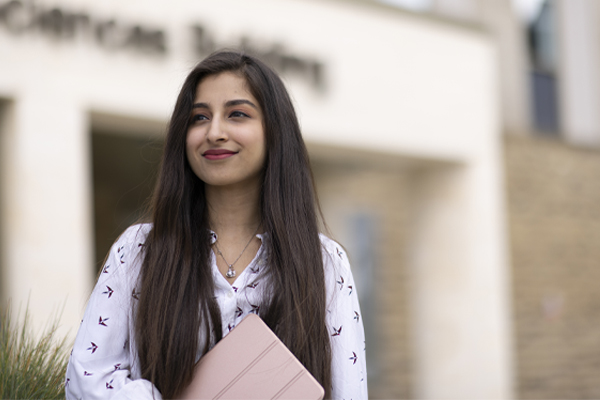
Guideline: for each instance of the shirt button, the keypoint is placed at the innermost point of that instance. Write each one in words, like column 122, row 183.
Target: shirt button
column 230, row 294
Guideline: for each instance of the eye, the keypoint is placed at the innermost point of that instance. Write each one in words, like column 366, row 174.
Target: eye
column 237, row 114
column 198, row 117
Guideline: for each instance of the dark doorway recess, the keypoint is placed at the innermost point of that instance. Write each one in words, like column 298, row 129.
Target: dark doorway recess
column 124, row 173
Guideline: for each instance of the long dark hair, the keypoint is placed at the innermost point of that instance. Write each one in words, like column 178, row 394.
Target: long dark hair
column 177, row 288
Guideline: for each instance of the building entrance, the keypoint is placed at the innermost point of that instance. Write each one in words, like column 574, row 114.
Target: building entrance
column 125, row 168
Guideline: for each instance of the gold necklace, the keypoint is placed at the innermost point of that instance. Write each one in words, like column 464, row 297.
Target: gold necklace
column 230, row 271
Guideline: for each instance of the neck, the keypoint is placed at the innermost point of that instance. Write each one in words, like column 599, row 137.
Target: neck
column 233, row 211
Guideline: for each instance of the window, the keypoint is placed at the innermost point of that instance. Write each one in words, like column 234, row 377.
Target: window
column 543, row 60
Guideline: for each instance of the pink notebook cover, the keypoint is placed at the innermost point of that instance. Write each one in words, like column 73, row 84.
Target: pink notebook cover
column 252, row 363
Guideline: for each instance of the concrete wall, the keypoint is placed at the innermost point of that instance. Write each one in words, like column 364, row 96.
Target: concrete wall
column 579, row 62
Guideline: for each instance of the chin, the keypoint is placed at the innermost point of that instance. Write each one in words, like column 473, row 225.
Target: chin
column 247, row 182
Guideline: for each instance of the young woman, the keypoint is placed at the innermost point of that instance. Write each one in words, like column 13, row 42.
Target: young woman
column 234, row 230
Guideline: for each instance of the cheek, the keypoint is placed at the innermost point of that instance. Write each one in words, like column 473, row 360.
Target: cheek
column 262, row 151
column 191, row 147
column 191, row 142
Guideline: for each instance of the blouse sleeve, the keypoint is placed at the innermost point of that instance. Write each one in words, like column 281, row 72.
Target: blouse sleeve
column 344, row 321
column 100, row 364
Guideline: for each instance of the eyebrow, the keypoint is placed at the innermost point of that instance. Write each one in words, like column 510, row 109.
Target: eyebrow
column 230, row 103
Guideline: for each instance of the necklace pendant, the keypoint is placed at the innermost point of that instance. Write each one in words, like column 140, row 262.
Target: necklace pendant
column 230, row 273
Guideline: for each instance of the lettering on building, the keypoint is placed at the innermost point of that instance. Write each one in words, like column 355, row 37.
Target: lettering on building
column 23, row 17
column 275, row 55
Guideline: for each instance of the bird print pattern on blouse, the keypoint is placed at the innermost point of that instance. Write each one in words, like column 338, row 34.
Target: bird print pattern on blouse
column 104, row 363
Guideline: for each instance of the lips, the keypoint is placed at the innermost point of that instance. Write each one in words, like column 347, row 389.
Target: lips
column 218, row 154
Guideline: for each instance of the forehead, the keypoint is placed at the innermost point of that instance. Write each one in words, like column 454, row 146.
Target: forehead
column 223, row 87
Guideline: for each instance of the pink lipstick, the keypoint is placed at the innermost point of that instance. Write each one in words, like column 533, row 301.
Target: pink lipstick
column 218, row 154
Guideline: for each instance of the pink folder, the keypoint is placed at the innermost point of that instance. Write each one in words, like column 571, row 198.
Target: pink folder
column 252, row 363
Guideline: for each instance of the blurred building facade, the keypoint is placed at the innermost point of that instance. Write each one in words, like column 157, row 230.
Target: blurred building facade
column 454, row 151
column 550, row 92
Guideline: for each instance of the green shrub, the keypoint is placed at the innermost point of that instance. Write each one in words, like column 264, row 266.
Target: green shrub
column 31, row 366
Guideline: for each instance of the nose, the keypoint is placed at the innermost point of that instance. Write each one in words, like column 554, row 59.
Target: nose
column 217, row 131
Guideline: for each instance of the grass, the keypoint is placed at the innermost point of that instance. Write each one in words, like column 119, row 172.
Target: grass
column 31, row 366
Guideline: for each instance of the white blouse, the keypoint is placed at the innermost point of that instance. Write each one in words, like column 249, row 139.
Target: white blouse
column 103, row 364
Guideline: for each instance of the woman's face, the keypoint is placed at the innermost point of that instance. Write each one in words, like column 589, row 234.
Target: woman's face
column 225, row 143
